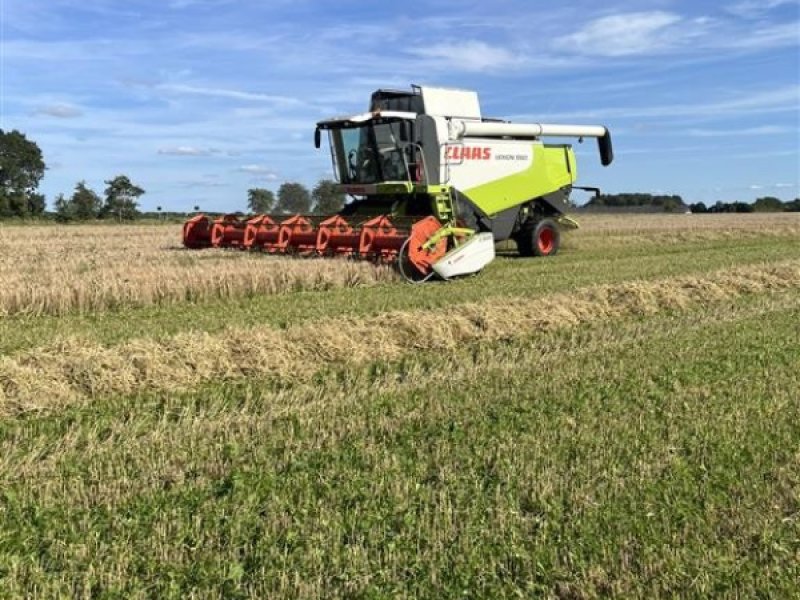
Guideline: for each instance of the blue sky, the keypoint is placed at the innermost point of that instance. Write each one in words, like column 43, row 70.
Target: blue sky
column 199, row 100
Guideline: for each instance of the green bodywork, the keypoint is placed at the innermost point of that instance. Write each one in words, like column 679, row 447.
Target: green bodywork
column 553, row 168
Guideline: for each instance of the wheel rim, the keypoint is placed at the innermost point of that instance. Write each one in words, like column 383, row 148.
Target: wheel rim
column 546, row 240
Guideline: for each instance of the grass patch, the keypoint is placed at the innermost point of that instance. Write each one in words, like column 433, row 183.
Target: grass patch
column 648, row 457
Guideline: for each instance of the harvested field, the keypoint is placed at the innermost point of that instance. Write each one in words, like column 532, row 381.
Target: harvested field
column 622, row 419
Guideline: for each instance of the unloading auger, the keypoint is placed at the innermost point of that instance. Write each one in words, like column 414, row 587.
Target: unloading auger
column 434, row 186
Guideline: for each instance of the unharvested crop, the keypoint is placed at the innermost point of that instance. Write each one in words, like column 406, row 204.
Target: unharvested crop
column 57, row 270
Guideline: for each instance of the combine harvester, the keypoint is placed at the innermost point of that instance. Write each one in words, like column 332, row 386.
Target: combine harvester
column 435, row 185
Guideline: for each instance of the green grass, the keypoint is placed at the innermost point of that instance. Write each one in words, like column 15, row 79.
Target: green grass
column 639, row 456
column 648, row 457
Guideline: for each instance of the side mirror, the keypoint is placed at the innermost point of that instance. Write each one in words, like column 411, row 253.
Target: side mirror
column 317, row 138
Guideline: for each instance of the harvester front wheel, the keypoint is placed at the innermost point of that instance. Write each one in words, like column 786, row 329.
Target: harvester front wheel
column 541, row 239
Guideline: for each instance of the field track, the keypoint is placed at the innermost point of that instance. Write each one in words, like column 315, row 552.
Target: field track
column 622, row 419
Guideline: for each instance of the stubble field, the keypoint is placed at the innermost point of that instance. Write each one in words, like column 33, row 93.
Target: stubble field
column 622, row 419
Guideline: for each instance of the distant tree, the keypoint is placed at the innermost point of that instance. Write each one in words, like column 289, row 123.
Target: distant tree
column 668, row 203
column 86, row 204
column 121, row 200
column 260, row 200
column 36, row 204
column 327, row 198
column 768, row 204
column 731, row 207
column 672, row 204
column 64, row 209
column 793, row 206
column 698, row 208
column 293, row 198
column 21, row 169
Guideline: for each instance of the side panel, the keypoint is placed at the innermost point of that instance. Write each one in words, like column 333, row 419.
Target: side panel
column 431, row 135
column 476, row 162
column 495, row 187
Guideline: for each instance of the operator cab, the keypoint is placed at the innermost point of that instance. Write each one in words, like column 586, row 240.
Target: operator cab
column 372, row 148
column 383, row 145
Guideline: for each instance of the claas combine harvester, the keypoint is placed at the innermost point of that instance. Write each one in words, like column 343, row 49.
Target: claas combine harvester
column 434, row 186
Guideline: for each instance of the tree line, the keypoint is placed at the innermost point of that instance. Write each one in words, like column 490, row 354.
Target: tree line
column 670, row 203
column 765, row 204
column 22, row 167
column 294, row 198
column 675, row 203
column 120, row 200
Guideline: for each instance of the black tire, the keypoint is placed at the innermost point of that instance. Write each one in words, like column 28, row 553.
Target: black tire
column 542, row 238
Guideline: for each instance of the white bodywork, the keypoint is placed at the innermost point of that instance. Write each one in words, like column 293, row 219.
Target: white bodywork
column 476, row 162
column 447, row 102
column 470, row 257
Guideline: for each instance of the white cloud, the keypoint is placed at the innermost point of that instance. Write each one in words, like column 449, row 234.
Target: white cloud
column 761, row 154
column 469, row 55
column 268, row 174
column 60, row 111
column 771, row 36
column 227, row 93
column 783, row 99
column 737, row 131
column 204, row 183
column 758, row 186
column 659, row 32
column 749, row 9
column 87, row 51
column 187, row 151
column 626, row 34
